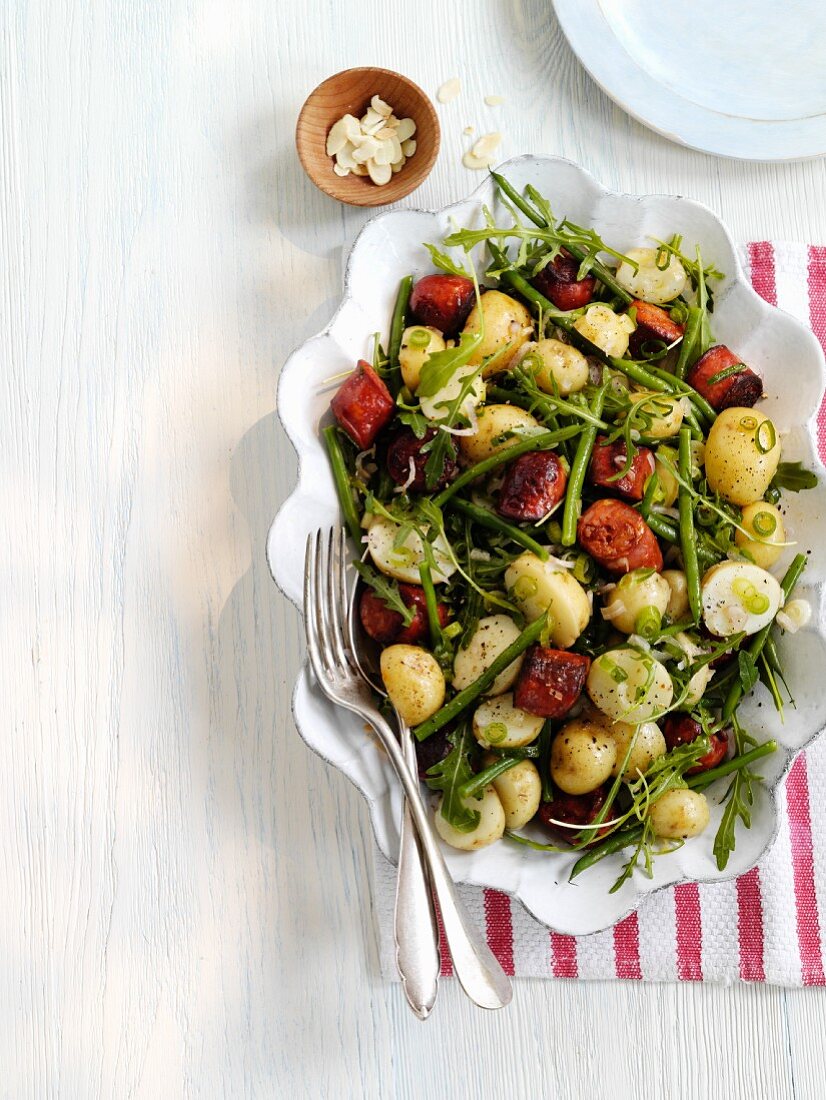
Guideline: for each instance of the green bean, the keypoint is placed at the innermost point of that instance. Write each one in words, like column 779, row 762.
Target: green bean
column 397, row 326
column 705, row 779
column 545, row 740
column 648, row 496
column 493, row 522
column 604, row 275
column 641, row 375
column 691, row 332
column 703, row 408
column 735, row 692
column 479, row 781
column 432, row 605
column 688, row 537
column 341, row 477
column 579, row 468
column 457, row 704
column 542, row 441
column 663, row 527
column 614, row 843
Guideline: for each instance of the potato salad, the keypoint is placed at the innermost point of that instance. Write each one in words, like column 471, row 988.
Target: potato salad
column 568, row 512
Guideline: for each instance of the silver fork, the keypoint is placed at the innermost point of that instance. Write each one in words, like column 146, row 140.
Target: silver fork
column 415, row 931
column 325, row 604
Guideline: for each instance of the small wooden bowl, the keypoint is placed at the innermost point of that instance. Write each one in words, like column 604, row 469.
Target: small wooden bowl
column 350, row 92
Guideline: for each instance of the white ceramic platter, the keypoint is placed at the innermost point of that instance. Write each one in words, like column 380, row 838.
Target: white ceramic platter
column 745, row 78
column 790, row 360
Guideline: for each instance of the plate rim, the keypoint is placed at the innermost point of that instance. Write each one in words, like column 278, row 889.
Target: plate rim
column 774, row 786
column 601, row 55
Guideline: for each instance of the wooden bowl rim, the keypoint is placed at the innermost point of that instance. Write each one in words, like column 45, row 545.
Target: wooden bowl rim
column 373, row 195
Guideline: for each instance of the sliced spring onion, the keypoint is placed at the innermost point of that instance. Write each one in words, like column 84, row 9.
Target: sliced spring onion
column 727, row 372
column 765, row 437
column 648, row 623
column 419, row 338
column 764, row 524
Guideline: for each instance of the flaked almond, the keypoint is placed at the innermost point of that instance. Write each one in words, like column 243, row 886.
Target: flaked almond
column 344, row 157
column 449, row 90
column 379, row 173
column 468, row 131
column 339, row 171
column 380, row 107
column 487, row 145
column 397, row 167
column 475, row 163
column 406, row 129
column 409, row 147
column 494, row 100
column 384, row 153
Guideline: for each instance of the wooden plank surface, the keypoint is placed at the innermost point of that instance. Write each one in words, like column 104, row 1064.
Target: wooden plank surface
column 186, row 900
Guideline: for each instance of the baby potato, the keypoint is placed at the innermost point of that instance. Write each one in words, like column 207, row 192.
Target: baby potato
column 435, row 407
column 668, row 486
column 537, row 586
column 492, row 636
column 742, row 455
column 629, row 686
column 739, row 596
column 700, row 680
column 500, row 426
column 766, row 523
column 648, row 281
column 402, row 562
column 491, row 824
column 633, row 595
column 507, row 326
column 678, row 606
column 414, row 681
column 663, row 412
column 498, row 722
column 418, row 343
column 558, row 367
column 608, row 330
column 519, row 790
column 648, row 747
column 583, row 755
column 679, row 814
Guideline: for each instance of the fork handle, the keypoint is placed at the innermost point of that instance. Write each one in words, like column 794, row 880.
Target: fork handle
column 474, row 964
column 415, row 930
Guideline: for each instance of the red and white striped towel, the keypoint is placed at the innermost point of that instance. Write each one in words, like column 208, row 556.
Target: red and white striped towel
column 768, row 925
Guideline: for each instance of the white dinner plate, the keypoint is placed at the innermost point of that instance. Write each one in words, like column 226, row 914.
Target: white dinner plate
column 790, row 360
column 740, row 78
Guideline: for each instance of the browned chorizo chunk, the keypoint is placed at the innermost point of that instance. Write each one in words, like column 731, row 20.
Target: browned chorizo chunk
column 559, row 283
column 607, row 461
column 532, row 486
column 550, row 681
column 442, row 302
column 654, row 326
column 406, row 456
column 384, row 625
column 738, row 386
column 618, row 538
column 363, row 405
column 573, row 809
column 681, row 729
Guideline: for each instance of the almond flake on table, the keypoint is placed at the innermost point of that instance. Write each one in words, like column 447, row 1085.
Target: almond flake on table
column 377, row 145
column 449, row 90
column 494, row 100
column 483, row 153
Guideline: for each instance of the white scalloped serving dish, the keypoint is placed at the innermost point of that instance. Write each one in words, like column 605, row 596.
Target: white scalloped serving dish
column 791, row 362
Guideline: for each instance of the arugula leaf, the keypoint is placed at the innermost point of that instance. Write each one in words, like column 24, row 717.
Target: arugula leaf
column 739, row 798
column 448, row 775
column 386, row 589
column 792, row 476
column 444, row 262
column 440, row 366
column 748, row 670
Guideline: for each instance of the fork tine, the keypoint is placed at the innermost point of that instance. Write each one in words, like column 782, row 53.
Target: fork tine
column 333, row 601
column 310, row 603
column 322, row 610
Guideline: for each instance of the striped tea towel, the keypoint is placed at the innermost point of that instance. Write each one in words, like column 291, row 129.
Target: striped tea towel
column 767, row 925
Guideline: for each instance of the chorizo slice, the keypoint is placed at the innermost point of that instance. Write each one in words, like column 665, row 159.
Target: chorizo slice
column 738, row 386
column 363, row 405
column 384, row 625
column 407, row 458
column 533, row 484
column 573, row 809
column 559, row 283
column 618, row 538
column 442, row 302
column 609, row 458
column 550, row 681
column 681, row 729
column 654, row 325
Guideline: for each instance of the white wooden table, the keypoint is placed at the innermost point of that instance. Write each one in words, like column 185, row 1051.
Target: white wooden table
column 185, row 899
